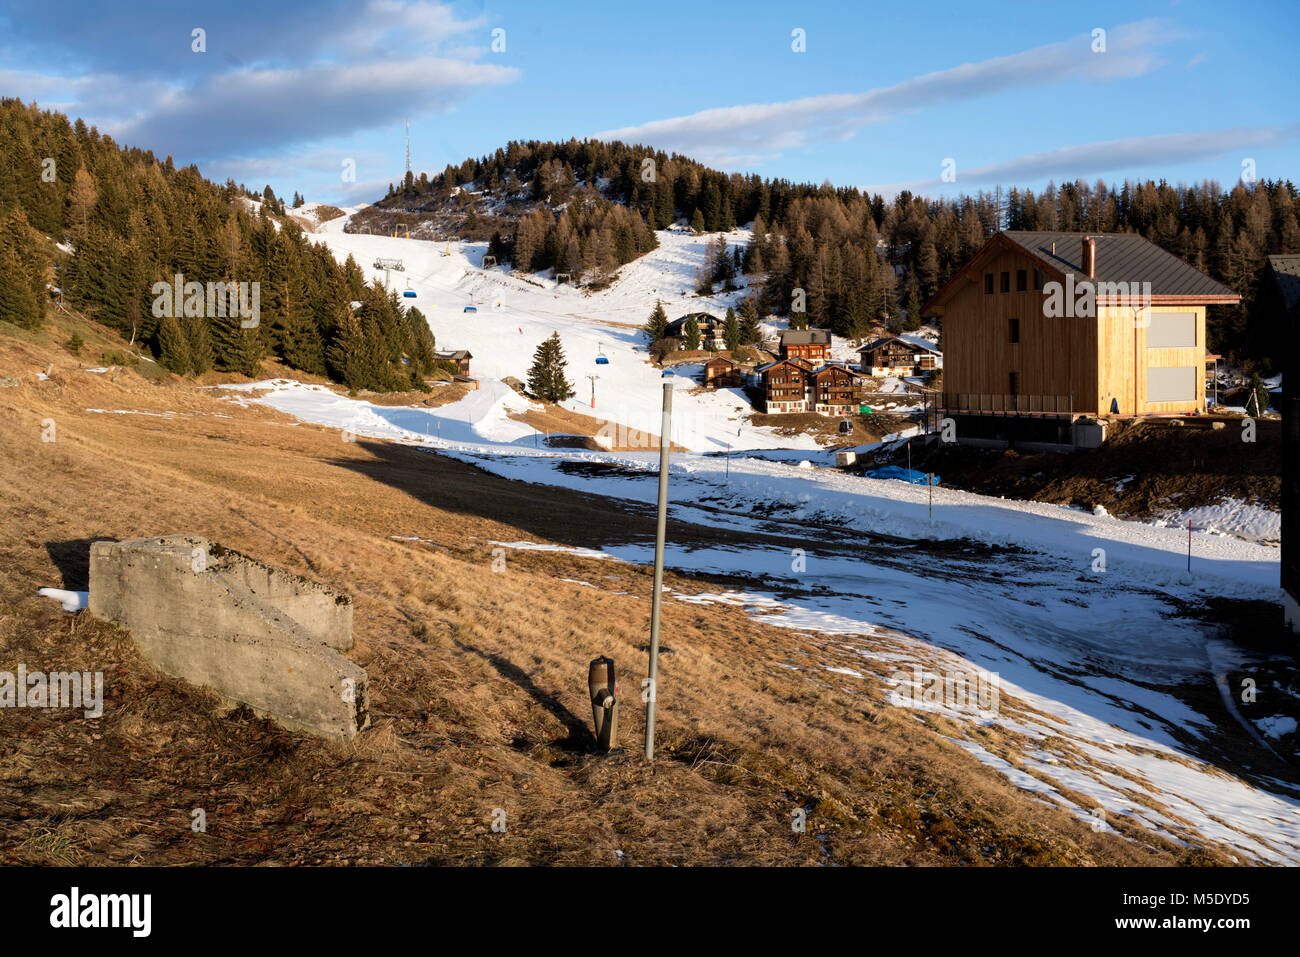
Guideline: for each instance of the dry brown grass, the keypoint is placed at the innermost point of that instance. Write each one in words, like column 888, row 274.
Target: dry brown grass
column 477, row 678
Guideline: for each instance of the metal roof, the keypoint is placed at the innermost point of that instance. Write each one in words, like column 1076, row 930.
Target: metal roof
column 1121, row 257
column 804, row 337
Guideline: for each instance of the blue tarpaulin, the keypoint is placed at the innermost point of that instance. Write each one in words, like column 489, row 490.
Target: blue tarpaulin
column 903, row 475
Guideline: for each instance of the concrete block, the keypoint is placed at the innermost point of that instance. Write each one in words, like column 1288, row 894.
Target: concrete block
column 1089, row 433
column 254, row 634
column 845, row 457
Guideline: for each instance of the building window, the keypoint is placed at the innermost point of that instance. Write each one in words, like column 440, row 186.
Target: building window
column 1014, row 384
column 1022, row 280
column 1006, row 282
column 1038, row 280
column 1015, row 331
column 988, row 284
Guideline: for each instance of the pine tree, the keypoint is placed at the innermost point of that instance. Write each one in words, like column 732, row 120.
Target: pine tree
column 750, row 333
column 697, row 221
column 200, row 344
column 657, row 324
column 731, row 331
column 235, row 349
column 546, row 379
column 173, row 346
column 17, row 302
column 691, row 333
column 1260, row 395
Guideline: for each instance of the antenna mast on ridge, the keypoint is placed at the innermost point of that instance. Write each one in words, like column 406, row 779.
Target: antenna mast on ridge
column 408, row 148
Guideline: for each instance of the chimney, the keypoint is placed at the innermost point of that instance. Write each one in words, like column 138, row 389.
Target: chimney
column 1089, row 257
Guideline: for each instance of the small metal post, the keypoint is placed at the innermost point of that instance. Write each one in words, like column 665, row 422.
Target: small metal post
column 603, row 688
column 656, row 599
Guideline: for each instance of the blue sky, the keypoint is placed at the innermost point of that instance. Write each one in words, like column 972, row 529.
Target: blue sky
column 882, row 96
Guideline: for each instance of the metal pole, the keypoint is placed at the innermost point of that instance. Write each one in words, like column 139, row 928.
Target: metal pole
column 656, row 599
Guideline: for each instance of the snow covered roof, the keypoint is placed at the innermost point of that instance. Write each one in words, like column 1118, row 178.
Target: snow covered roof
column 912, row 341
column 837, row 365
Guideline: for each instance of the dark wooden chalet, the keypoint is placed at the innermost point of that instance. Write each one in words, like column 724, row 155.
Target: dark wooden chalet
column 811, row 344
column 721, row 372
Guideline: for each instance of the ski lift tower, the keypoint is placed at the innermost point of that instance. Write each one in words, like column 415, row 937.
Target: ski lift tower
column 389, row 264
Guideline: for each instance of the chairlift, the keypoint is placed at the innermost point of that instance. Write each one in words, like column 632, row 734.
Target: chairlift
column 471, row 309
column 489, row 262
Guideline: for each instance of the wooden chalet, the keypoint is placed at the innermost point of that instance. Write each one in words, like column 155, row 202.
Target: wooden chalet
column 711, row 329
column 834, row 387
column 458, row 357
column 785, row 386
column 811, row 344
column 898, row 356
column 1043, row 328
column 721, row 372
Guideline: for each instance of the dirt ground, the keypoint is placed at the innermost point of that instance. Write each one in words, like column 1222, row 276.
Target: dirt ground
column 477, row 677
column 826, row 429
column 1142, row 469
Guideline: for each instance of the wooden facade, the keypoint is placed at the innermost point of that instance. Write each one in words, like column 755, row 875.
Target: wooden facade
column 793, row 385
column 785, row 386
column 1004, row 354
column 721, row 372
column 812, row 345
column 891, row 355
column 834, row 388
column 459, row 358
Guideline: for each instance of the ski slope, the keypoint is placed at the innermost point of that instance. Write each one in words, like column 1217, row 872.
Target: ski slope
column 515, row 313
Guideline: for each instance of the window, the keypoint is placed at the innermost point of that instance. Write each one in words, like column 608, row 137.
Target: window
column 1015, row 331
column 1172, row 330
column 1006, row 282
column 1038, row 280
column 988, row 284
column 1014, row 384
column 1171, row 384
column 1022, row 280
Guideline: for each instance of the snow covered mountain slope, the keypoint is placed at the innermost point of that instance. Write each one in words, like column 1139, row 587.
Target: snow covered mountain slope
column 515, row 313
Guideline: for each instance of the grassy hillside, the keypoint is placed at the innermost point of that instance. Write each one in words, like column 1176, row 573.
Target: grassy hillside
column 477, row 678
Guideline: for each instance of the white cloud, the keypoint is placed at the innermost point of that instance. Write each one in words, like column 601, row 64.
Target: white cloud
column 1069, row 163
column 720, row 135
column 382, row 62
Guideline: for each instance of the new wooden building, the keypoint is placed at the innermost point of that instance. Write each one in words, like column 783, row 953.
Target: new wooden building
column 1042, row 328
column 811, row 344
